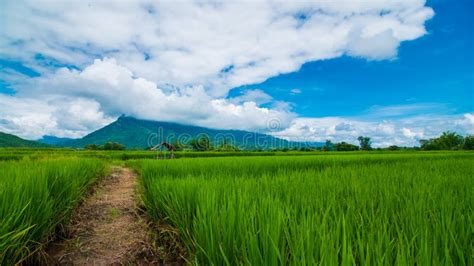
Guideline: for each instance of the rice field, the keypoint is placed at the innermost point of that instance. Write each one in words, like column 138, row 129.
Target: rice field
column 254, row 208
column 16, row 154
column 36, row 197
column 371, row 209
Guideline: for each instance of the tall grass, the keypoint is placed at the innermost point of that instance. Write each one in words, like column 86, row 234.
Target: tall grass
column 16, row 154
column 35, row 197
column 383, row 209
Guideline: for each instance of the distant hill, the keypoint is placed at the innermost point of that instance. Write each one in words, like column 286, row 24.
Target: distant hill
column 137, row 133
column 9, row 140
column 52, row 140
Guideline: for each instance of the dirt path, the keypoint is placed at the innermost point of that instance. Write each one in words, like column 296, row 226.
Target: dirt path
column 107, row 228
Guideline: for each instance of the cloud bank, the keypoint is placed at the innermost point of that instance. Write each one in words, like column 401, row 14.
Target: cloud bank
column 219, row 45
column 177, row 61
column 72, row 103
column 402, row 132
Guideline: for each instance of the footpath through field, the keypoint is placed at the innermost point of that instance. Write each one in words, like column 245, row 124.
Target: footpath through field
column 107, row 228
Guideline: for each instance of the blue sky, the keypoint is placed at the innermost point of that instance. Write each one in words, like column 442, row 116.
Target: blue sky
column 436, row 68
column 397, row 71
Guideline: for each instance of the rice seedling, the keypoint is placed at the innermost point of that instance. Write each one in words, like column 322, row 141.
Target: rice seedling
column 37, row 196
column 372, row 209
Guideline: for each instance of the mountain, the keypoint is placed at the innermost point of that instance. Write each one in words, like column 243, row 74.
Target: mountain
column 8, row 140
column 137, row 133
column 52, row 140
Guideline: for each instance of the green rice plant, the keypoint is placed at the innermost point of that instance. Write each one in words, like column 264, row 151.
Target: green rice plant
column 10, row 154
column 370, row 209
column 37, row 196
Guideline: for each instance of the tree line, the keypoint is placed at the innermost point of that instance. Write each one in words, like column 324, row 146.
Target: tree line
column 446, row 141
column 204, row 143
column 201, row 143
column 365, row 144
column 109, row 146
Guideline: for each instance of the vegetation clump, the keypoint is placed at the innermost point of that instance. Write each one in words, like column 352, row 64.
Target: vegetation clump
column 36, row 197
column 109, row 146
column 344, row 146
column 448, row 141
column 364, row 143
column 201, row 143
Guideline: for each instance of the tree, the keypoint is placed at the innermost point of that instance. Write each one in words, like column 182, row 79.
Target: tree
column 202, row 143
column 113, row 146
column 429, row 145
column 450, row 141
column 91, row 147
column 447, row 141
column 109, row 146
column 193, row 143
column 364, row 143
column 393, row 148
column 468, row 142
column 226, row 145
column 328, row 146
column 178, row 145
column 344, row 146
column 423, row 142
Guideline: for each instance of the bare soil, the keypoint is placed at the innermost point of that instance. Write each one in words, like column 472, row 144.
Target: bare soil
column 109, row 228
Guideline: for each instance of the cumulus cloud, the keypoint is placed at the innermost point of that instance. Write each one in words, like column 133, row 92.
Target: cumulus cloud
column 409, row 133
column 402, row 131
column 219, row 45
column 59, row 116
column 72, row 103
column 177, row 61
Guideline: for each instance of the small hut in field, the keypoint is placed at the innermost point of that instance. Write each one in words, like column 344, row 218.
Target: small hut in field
column 164, row 150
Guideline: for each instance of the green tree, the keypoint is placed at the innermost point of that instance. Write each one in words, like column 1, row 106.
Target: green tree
column 113, row 146
column 447, row 141
column 393, row 148
column 344, row 146
column 468, row 142
column 364, row 143
column 201, row 143
column 92, row 147
column 226, row 145
column 179, row 146
column 428, row 145
column 328, row 146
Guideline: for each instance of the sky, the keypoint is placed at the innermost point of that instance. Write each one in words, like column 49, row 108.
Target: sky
column 395, row 70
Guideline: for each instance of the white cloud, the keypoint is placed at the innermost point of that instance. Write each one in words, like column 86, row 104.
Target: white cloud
column 412, row 134
column 402, row 131
column 59, row 116
column 219, row 45
column 177, row 61
column 257, row 96
column 295, row 91
column 73, row 103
